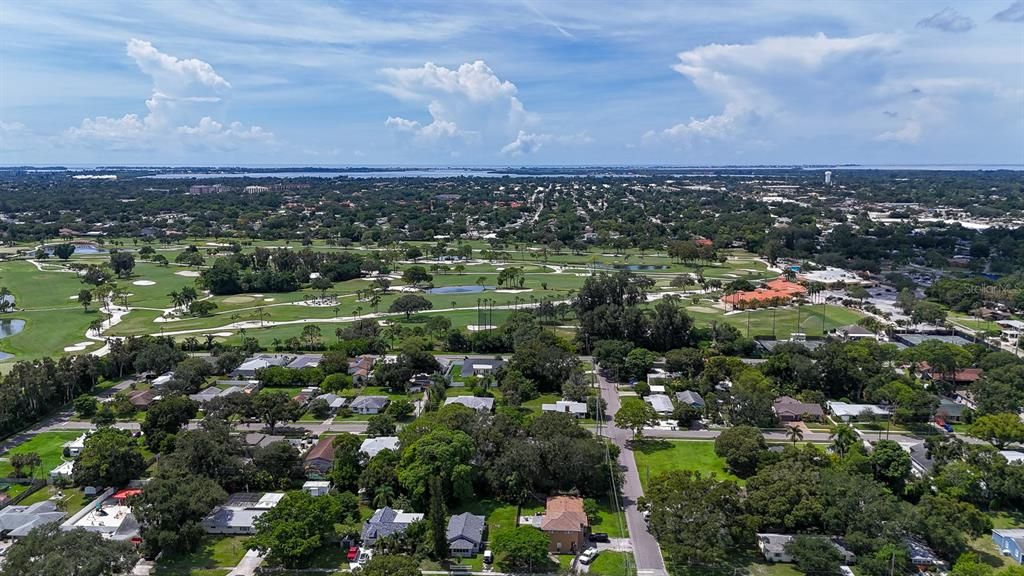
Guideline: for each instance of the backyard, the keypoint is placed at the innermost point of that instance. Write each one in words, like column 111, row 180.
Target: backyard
column 654, row 457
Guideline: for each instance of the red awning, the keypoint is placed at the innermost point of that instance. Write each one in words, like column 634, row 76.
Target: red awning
column 128, row 493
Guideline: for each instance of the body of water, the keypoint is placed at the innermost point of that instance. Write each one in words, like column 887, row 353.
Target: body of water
column 353, row 174
column 81, row 249
column 459, row 289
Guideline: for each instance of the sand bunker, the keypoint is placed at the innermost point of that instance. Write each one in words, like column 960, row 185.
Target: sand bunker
column 268, row 299
column 144, row 283
column 238, row 299
column 188, row 273
column 515, row 291
column 78, row 347
column 479, row 327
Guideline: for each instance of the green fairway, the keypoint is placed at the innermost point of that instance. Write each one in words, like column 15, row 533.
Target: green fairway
column 656, row 456
column 49, row 446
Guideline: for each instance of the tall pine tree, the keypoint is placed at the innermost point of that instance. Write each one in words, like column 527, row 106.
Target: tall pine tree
column 438, row 518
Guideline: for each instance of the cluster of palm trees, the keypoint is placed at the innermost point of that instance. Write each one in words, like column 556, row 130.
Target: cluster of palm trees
column 182, row 298
column 843, row 437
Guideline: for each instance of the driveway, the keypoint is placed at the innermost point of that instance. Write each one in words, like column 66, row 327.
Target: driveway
column 646, row 551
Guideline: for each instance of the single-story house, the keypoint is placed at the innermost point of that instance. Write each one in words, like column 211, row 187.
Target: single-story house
column 369, row 404
column 691, row 399
column 465, row 534
column 320, row 458
column 334, row 401
column 239, row 514
column 361, row 368
column 162, row 380
column 847, row 412
column 960, row 377
column 481, row 366
column 73, row 448
column 1013, row 456
column 260, row 440
column 253, row 364
column 372, row 446
column 576, row 409
column 64, row 471
column 18, row 521
column 142, row 398
column 385, row 522
column 789, row 409
column 658, row 376
column 773, row 547
column 305, row 361
column 316, row 487
column 1010, row 543
column 950, row 410
column 853, row 332
column 109, row 514
column 661, row 403
column 566, row 524
column 207, row 394
column 477, row 403
column 419, row 382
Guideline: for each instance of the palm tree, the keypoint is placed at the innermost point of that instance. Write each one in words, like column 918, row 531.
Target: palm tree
column 192, row 343
column 843, row 436
column 176, row 299
column 795, row 434
column 384, row 495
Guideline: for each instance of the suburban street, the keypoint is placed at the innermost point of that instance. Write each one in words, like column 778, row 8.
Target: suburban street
column 646, row 551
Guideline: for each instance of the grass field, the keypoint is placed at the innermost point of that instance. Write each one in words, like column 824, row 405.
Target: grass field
column 216, row 555
column 613, row 564
column 55, row 321
column 74, row 498
column 656, row 456
column 49, row 446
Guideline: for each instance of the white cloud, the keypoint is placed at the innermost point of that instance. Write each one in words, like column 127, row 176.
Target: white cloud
column 14, row 136
column 170, row 73
column 178, row 109
column 528, row 143
column 908, row 133
column 947, row 20
column 769, row 80
column 468, row 105
column 1013, row 13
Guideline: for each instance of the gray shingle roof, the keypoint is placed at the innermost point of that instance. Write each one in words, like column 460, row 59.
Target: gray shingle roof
column 466, row 526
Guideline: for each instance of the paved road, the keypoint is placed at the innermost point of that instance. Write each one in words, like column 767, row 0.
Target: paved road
column 646, row 551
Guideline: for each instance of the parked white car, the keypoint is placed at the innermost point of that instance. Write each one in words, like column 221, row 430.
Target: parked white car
column 588, row 556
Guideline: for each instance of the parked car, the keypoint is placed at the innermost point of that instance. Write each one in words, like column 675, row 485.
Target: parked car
column 353, row 553
column 588, row 556
column 488, row 557
column 599, row 537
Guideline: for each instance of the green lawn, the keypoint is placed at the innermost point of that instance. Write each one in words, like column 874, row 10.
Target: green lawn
column 611, row 522
column 613, row 564
column 656, row 456
column 765, row 569
column 49, row 446
column 216, row 555
column 74, row 498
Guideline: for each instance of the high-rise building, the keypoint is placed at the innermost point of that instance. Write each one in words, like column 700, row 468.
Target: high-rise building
column 828, row 178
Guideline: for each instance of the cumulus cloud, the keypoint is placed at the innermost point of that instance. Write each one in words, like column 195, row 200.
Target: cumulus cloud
column 947, row 20
column 1013, row 13
column 908, row 133
column 528, row 143
column 179, row 107
column 760, row 81
column 467, row 105
column 14, row 136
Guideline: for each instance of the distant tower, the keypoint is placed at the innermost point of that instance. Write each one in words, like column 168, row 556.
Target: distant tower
column 828, row 177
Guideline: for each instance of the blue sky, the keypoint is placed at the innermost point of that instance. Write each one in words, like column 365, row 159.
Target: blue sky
column 511, row 82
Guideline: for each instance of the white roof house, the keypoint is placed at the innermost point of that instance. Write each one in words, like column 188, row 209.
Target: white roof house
column 475, row 402
column 1013, row 456
column 372, row 446
column 75, row 447
column 661, row 403
column 239, row 514
column 577, row 409
column 316, row 487
column 65, row 470
column 847, row 412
